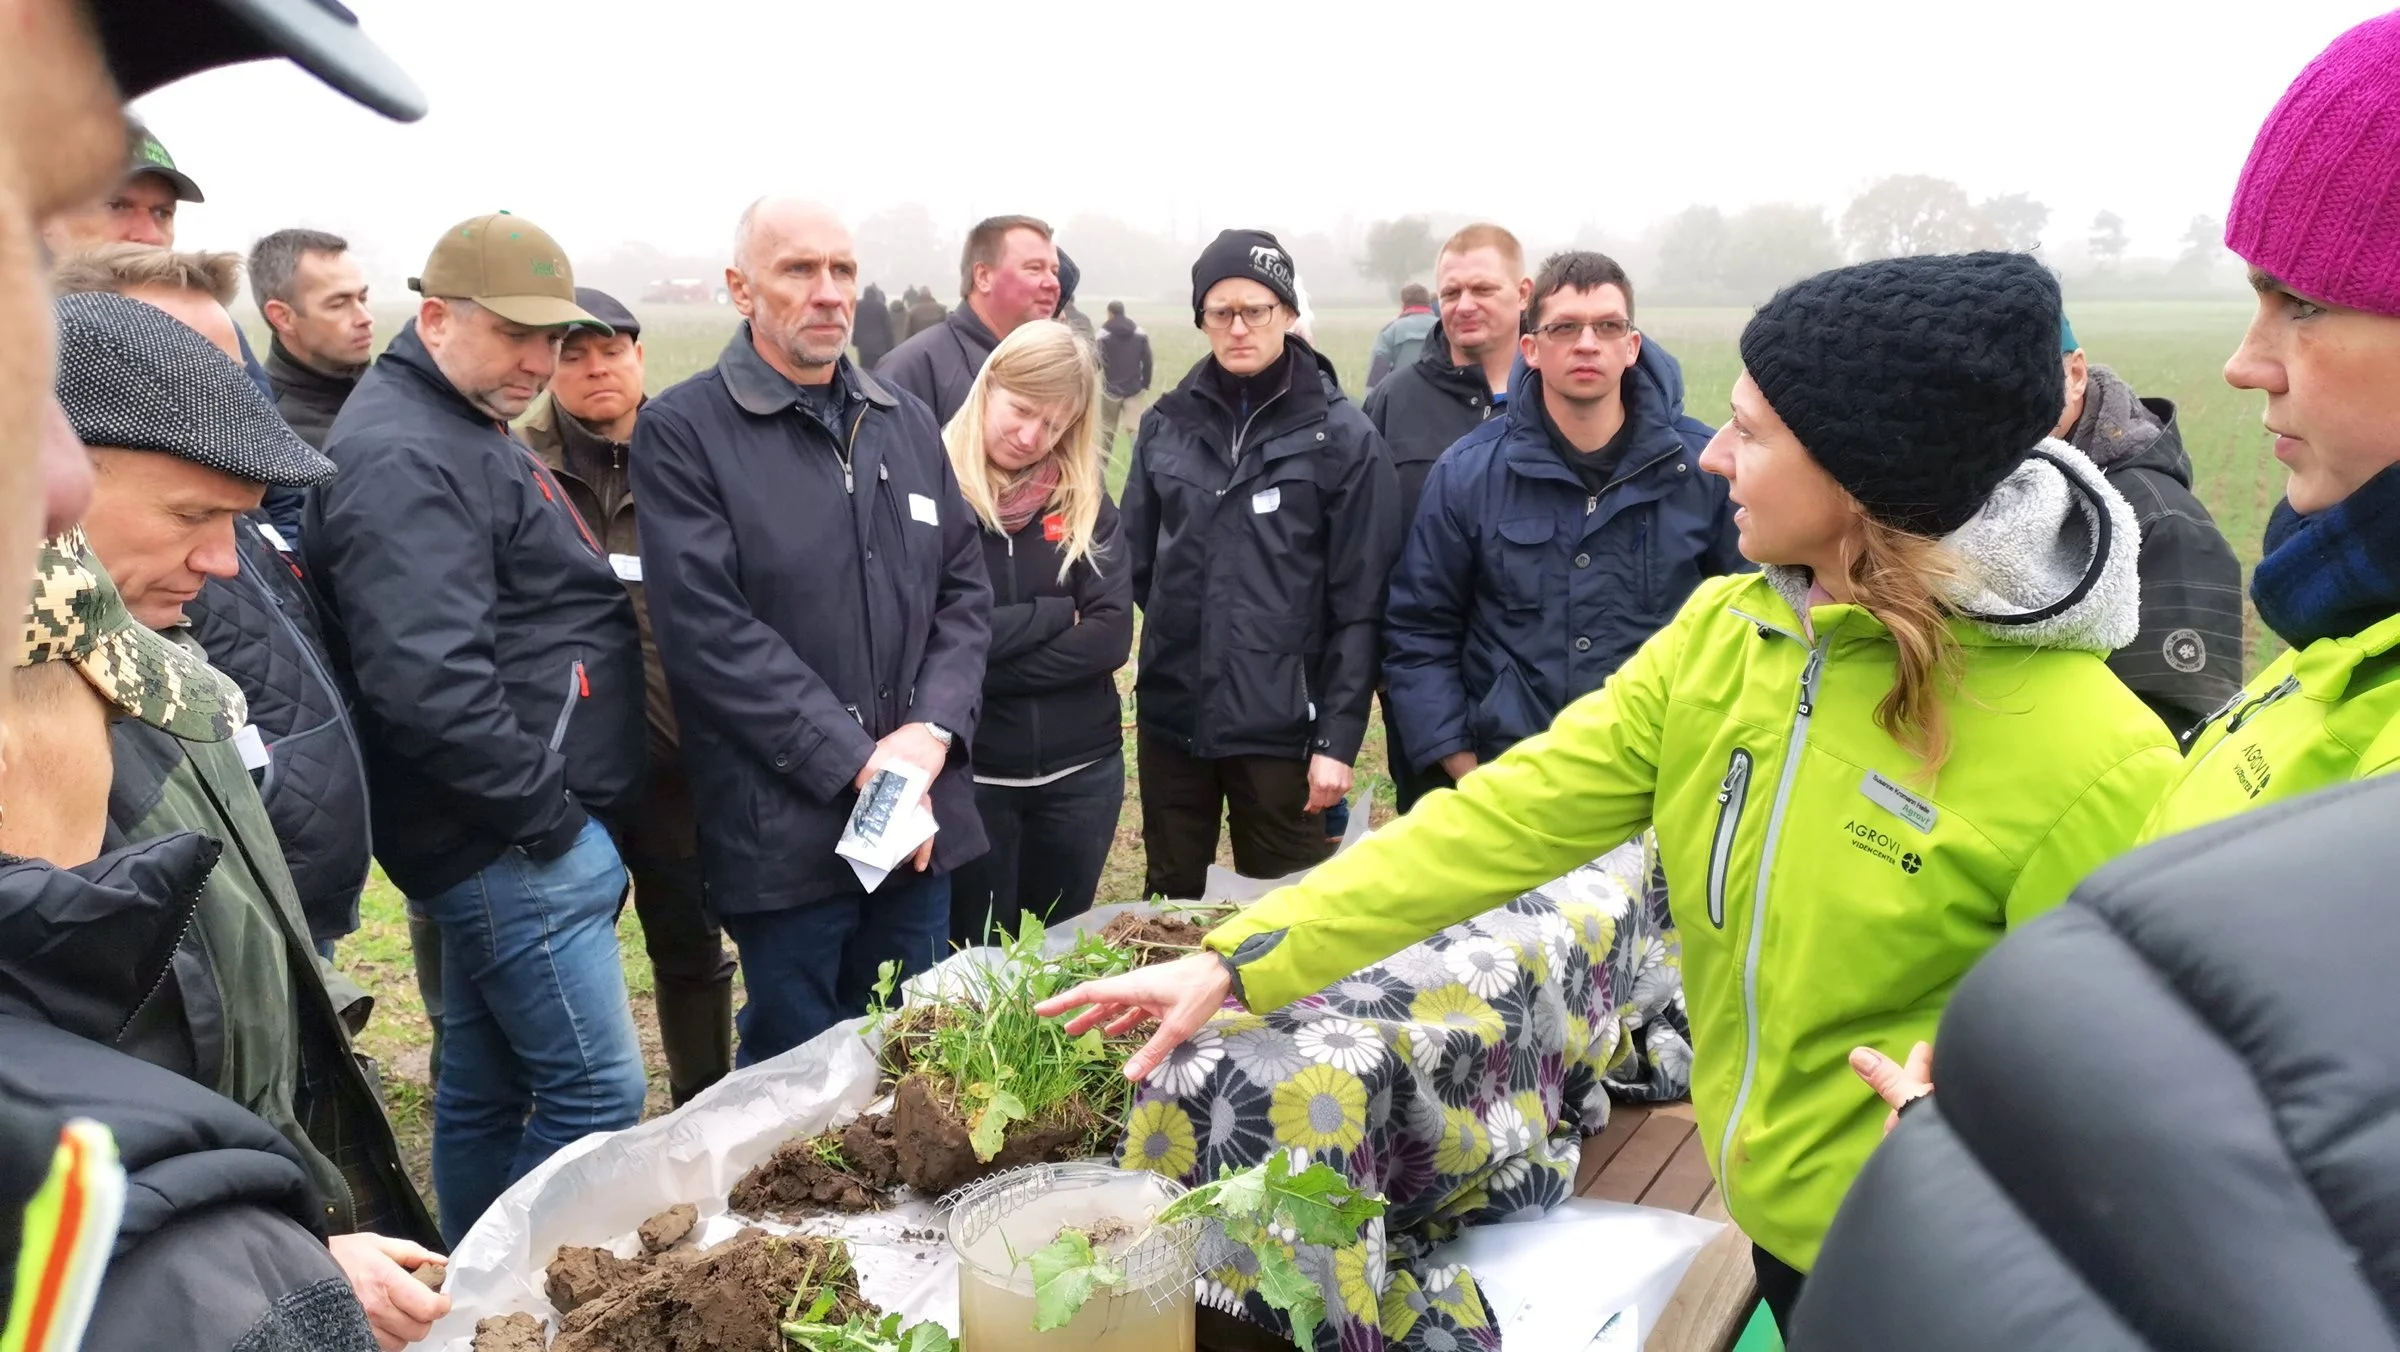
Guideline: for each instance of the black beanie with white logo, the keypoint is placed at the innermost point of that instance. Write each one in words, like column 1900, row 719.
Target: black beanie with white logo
column 1254, row 254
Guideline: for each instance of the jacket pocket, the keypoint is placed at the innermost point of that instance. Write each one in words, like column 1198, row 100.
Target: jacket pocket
column 579, row 689
column 1261, row 685
column 1523, row 562
column 1732, row 796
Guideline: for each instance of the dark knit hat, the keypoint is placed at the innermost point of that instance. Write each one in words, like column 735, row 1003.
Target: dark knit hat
column 1918, row 383
column 1254, row 254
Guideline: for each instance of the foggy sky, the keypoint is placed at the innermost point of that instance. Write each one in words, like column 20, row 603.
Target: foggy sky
column 608, row 122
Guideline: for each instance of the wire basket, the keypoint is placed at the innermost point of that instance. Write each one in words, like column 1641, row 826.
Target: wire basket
column 1158, row 1261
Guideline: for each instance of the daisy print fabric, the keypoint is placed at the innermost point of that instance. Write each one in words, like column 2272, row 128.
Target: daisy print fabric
column 1456, row 1078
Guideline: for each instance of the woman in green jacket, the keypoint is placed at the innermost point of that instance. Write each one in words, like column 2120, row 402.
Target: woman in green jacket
column 1865, row 764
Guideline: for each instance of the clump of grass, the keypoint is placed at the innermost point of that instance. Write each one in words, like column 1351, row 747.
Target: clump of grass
column 1000, row 1061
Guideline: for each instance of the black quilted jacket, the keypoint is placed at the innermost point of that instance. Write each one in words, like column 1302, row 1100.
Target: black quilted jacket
column 261, row 628
column 2165, row 1116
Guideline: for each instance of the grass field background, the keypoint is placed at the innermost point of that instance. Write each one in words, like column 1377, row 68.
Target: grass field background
column 2169, row 350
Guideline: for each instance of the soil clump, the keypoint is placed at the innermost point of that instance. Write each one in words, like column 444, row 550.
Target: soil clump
column 508, row 1333
column 669, row 1227
column 853, row 1169
column 935, row 1155
column 1153, row 938
column 729, row 1299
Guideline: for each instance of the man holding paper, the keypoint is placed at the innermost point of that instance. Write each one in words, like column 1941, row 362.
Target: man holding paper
column 818, row 593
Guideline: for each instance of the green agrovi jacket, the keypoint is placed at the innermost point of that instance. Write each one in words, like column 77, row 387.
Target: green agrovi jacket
column 2317, row 716
column 1825, row 896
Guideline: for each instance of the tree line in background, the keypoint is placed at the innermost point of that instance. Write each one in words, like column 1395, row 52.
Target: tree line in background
column 1698, row 256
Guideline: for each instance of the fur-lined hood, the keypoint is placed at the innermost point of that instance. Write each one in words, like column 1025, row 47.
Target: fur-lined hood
column 2049, row 561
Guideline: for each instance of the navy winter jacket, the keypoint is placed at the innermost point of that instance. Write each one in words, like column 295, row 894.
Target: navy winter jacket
column 815, row 582
column 498, row 669
column 1518, row 591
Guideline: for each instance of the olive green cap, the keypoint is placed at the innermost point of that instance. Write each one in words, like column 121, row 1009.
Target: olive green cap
column 509, row 266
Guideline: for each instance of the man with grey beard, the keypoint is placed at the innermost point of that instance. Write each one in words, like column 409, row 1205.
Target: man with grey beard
column 818, row 594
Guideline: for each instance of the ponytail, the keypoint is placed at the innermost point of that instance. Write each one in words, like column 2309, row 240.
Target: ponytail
column 1898, row 578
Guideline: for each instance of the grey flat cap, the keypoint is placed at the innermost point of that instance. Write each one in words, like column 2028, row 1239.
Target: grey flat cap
column 132, row 376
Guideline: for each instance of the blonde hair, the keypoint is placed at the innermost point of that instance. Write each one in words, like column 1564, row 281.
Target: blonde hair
column 1484, row 235
column 1897, row 577
column 1049, row 366
column 122, row 267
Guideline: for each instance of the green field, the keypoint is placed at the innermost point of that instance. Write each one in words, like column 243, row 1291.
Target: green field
column 2172, row 350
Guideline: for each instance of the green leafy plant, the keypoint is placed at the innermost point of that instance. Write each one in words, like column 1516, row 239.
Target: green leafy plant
column 1257, row 1207
column 858, row 1331
column 1001, row 1063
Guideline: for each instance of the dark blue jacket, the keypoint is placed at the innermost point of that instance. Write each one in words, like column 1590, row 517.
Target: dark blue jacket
column 1518, row 591
column 498, row 669
column 814, row 584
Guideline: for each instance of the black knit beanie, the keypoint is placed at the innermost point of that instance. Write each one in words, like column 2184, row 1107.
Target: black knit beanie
column 1254, row 254
column 1918, row 383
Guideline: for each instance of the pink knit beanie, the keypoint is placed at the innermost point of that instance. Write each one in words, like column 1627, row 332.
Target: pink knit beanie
column 2319, row 202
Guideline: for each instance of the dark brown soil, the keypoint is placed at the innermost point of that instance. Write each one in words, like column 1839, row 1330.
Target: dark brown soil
column 934, row 1152
column 853, row 1169
column 667, row 1229
column 729, row 1299
column 579, row 1276
column 431, row 1274
column 1153, row 938
column 508, row 1333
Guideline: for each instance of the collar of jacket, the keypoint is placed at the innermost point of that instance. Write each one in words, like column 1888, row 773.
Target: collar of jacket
column 554, row 433
column 1193, row 403
column 409, row 356
column 2165, row 453
column 1464, row 382
column 285, row 370
column 85, row 948
column 762, row 390
column 2051, row 560
column 1653, row 447
column 974, row 337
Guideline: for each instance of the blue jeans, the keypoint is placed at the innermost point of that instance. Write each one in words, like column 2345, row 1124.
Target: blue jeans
column 538, row 1045
column 810, row 967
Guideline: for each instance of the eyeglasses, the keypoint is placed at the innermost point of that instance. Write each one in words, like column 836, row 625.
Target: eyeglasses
column 1569, row 330
column 1221, row 317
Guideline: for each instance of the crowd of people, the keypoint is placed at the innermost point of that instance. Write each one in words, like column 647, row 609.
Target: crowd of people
column 1928, row 630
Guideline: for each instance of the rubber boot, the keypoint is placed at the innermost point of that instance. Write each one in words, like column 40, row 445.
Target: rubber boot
column 695, row 1030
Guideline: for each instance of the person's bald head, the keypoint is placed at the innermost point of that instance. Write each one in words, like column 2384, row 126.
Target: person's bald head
column 795, row 278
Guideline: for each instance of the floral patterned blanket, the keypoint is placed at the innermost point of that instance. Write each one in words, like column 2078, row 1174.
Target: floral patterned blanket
column 1455, row 1078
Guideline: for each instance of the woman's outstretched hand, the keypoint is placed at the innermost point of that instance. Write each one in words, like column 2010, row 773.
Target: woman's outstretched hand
column 1896, row 1084
column 1181, row 995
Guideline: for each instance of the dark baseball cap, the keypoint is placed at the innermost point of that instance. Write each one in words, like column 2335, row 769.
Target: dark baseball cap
column 148, row 155
column 155, row 42
column 509, row 266
column 608, row 310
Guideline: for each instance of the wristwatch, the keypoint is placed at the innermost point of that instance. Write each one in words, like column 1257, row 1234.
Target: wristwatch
column 941, row 734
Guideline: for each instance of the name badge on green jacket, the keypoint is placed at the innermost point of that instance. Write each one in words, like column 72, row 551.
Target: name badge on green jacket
column 1898, row 801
